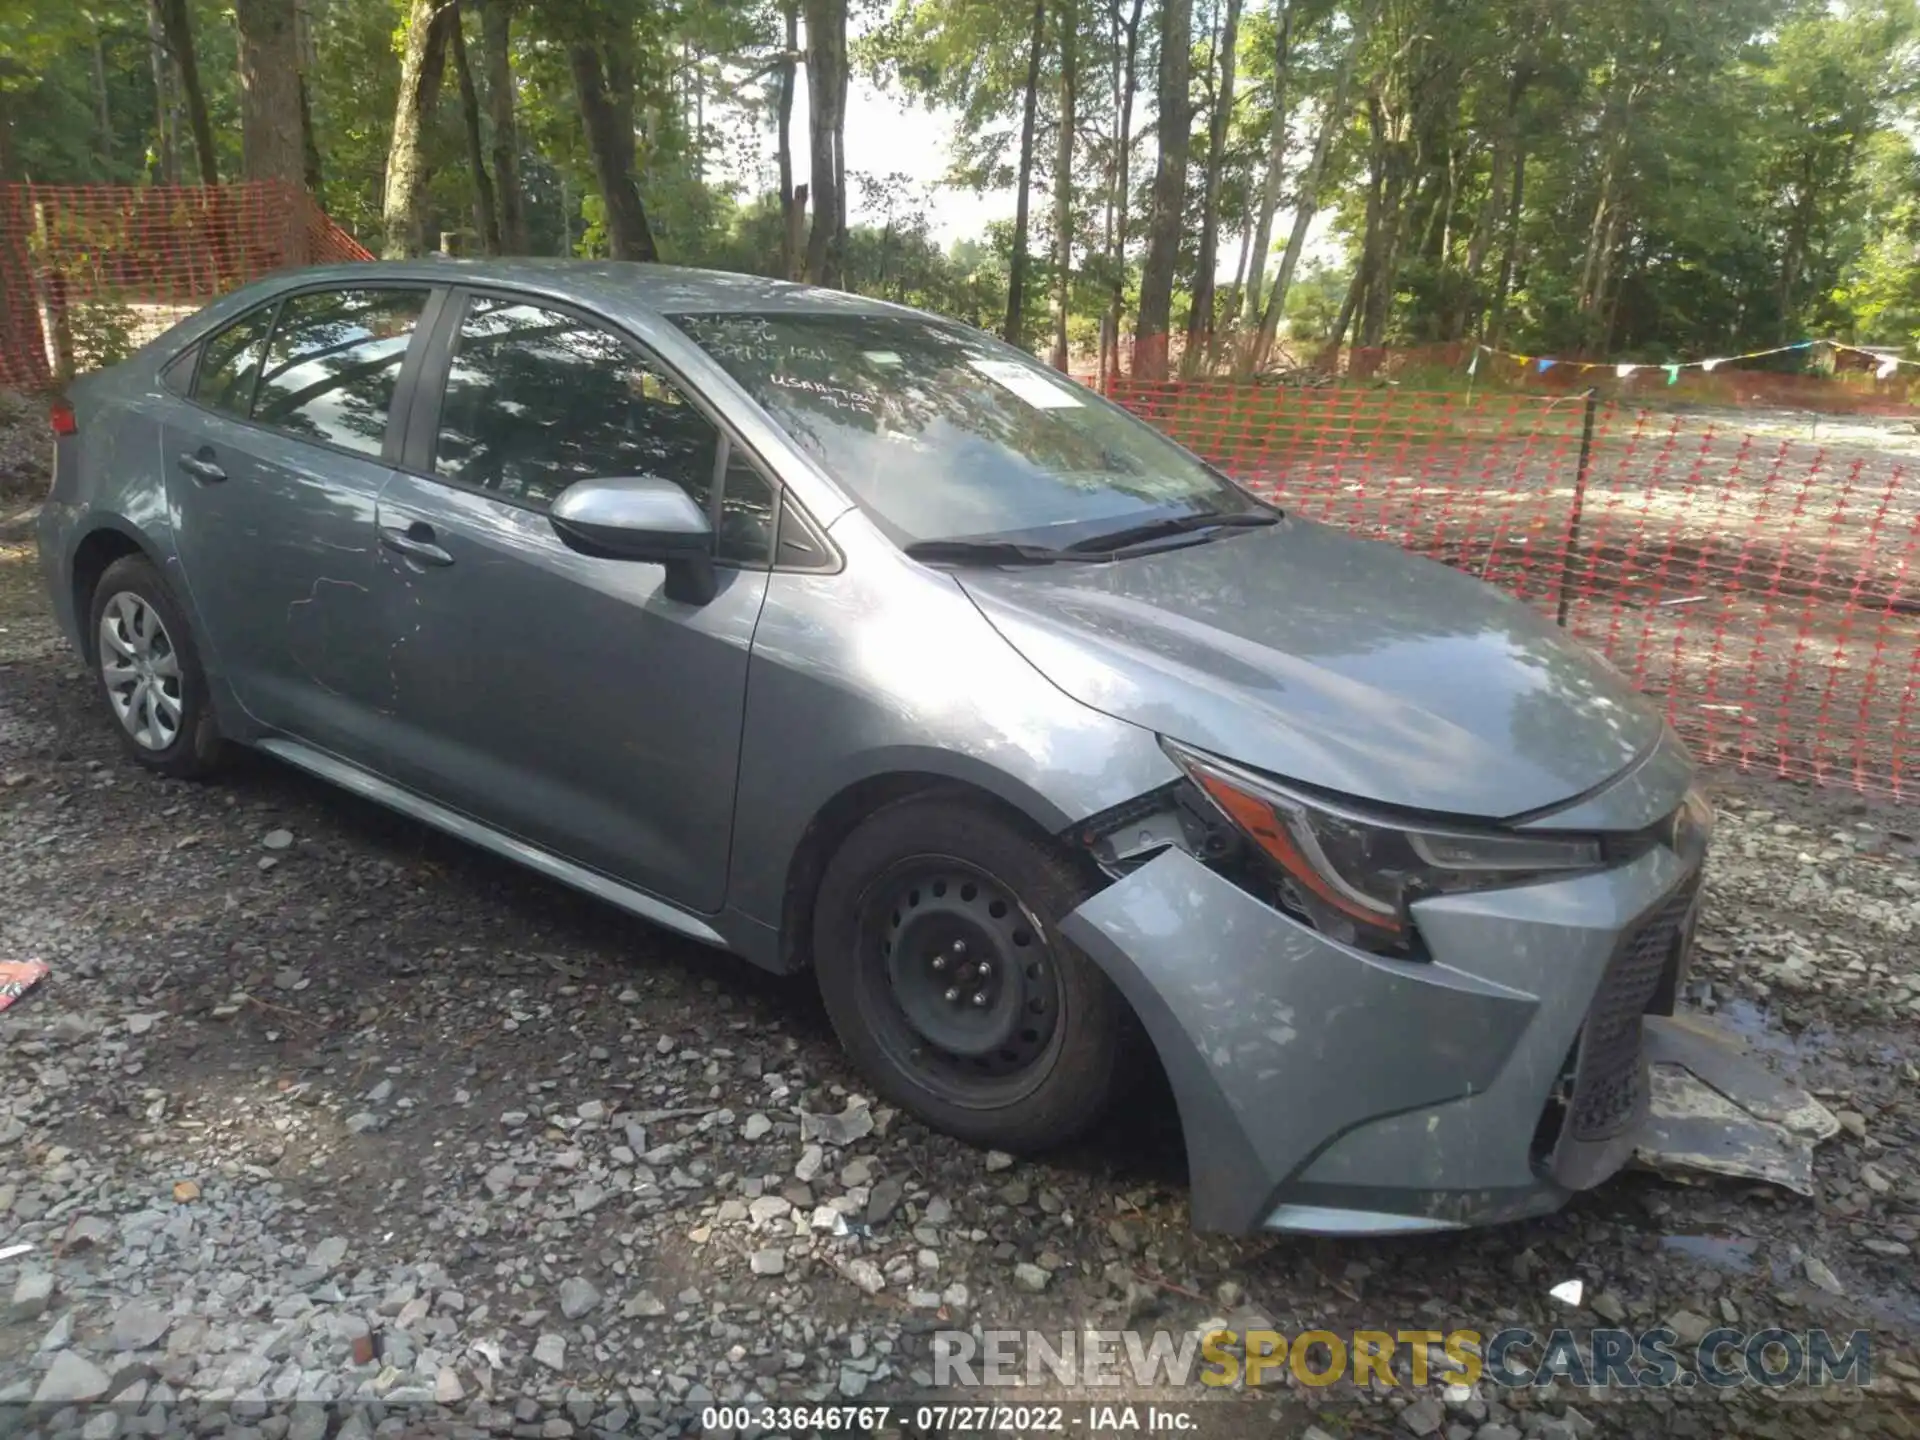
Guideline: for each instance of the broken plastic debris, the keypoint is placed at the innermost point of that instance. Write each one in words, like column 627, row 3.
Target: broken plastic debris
column 1718, row 1111
column 19, row 976
column 1568, row 1292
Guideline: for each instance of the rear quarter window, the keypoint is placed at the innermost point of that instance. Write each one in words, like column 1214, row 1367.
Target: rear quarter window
column 177, row 373
column 231, row 365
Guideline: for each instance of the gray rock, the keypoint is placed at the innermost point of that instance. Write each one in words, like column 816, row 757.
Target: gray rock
column 644, row 1306
column 138, row 1327
column 447, row 1389
column 276, row 840
column 770, row 1261
column 998, row 1160
column 866, row 1275
column 851, row 1124
column 328, row 1253
column 71, row 1379
column 1821, row 1275
column 1689, row 1326
column 577, row 1298
column 32, row 1293
column 85, row 1231
column 101, row 1425
column 884, row 1200
column 809, row 1165
column 1424, row 1416
column 756, row 1128
column 768, row 1208
column 1030, row 1278
column 551, row 1351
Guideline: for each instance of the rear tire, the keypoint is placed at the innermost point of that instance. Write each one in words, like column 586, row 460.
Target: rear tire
column 149, row 674
column 937, row 946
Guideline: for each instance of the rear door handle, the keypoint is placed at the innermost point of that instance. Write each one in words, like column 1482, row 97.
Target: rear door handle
column 202, row 468
column 415, row 541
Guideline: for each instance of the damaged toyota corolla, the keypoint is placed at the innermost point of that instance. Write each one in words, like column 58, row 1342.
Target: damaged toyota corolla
column 847, row 638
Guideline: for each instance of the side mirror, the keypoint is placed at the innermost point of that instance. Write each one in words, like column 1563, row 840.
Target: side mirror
column 641, row 517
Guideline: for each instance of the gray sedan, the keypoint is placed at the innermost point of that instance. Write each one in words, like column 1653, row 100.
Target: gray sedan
column 848, row 639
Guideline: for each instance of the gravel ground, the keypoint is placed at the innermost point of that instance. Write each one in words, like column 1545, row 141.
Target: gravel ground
column 318, row 1105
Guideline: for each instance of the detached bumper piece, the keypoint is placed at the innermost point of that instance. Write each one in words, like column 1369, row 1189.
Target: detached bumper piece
column 1717, row 1112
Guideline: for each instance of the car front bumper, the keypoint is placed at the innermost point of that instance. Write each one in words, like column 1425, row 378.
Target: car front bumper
column 1325, row 1089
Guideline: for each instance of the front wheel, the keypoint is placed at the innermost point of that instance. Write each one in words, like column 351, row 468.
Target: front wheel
column 942, row 967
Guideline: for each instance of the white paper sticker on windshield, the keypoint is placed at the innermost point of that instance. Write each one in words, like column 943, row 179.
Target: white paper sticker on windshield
column 1034, row 388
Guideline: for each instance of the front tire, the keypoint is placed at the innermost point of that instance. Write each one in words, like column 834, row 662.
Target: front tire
column 937, row 946
column 149, row 672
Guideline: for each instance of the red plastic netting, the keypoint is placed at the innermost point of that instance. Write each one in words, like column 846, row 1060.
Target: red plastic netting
column 89, row 272
column 1763, row 588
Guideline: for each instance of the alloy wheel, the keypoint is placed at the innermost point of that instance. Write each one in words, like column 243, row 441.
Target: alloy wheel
column 141, row 670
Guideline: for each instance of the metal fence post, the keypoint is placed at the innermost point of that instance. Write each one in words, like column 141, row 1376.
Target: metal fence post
column 1572, row 551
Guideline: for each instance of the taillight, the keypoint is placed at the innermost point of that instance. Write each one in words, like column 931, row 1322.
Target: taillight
column 64, row 421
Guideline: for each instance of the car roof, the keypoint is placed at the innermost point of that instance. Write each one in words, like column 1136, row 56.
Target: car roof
column 610, row 285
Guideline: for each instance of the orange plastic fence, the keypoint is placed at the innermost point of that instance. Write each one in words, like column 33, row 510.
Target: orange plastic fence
column 88, row 272
column 1765, row 589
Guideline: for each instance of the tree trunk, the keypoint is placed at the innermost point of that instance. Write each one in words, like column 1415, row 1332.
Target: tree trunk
column 103, row 111
column 1230, row 307
column 1200, row 318
column 1385, row 232
column 827, row 120
column 166, row 156
column 604, row 85
column 1311, row 180
column 486, row 216
column 403, row 209
column 1510, row 249
column 178, row 26
column 1063, row 182
column 1169, row 193
column 792, row 205
column 1023, row 186
column 1128, row 88
column 270, row 147
column 1276, row 160
column 496, row 60
column 306, row 62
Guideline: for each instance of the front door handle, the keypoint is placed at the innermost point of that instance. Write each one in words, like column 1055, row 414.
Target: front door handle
column 415, row 542
column 201, row 467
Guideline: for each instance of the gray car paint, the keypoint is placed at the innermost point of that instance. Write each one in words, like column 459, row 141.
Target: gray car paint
column 1309, row 1075
column 1339, row 663
column 1313, row 1074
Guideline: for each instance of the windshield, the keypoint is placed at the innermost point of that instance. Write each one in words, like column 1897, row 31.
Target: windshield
column 941, row 433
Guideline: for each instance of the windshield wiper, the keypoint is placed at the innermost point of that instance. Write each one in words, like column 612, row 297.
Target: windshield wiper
column 1176, row 525
column 988, row 552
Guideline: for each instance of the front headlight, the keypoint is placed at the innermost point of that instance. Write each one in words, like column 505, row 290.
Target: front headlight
column 1352, row 874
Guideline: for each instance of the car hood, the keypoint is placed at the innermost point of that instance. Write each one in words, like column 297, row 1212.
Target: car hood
column 1336, row 662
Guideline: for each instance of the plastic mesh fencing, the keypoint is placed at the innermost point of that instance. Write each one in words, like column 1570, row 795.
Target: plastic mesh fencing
column 88, row 273
column 1764, row 590
column 1763, row 587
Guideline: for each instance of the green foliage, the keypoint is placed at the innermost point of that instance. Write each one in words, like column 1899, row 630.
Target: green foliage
column 1697, row 178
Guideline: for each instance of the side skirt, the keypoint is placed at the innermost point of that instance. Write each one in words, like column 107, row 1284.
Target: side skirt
column 351, row 777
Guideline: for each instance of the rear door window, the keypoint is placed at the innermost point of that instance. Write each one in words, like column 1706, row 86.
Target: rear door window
column 231, row 363
column 333, row 363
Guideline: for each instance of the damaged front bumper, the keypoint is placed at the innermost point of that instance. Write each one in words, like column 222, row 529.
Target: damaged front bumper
column 1327, row 1089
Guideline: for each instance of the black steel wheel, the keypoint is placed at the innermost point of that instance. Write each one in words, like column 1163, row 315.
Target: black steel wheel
column 939, row 958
